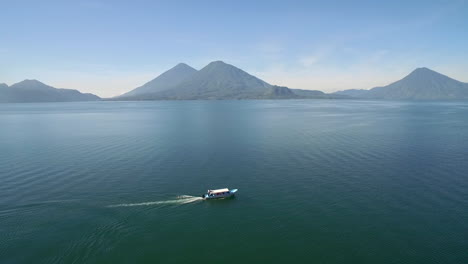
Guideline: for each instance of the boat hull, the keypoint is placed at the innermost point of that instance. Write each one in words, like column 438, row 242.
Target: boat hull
column 213, row 196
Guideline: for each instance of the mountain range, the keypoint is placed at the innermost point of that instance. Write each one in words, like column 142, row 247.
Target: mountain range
column 219, row 80
column 421, row 84
column 29, row 91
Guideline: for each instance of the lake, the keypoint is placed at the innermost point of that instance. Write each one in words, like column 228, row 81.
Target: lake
column 320, row 181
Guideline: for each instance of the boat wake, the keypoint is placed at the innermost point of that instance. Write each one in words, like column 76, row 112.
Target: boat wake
column 183, row 199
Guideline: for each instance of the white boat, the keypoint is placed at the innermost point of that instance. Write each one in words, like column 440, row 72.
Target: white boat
column 219, row 193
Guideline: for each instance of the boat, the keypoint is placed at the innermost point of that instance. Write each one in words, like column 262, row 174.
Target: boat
column 218, row 194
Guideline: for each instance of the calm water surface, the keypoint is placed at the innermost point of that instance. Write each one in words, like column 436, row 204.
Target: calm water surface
column 319, row 182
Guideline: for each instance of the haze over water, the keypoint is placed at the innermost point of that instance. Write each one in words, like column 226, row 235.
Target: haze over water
column 320, row 181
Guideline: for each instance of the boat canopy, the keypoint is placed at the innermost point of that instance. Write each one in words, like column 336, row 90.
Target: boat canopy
column 219, row 190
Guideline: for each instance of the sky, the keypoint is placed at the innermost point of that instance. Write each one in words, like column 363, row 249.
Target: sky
column 110, row 47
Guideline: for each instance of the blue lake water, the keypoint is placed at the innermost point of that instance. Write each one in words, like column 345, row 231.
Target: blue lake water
column 320, row 181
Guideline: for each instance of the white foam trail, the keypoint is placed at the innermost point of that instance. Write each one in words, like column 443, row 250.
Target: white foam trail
column 183, row 199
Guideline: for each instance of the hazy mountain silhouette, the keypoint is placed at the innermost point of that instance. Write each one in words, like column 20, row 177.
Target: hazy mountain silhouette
column 421, row 84
column 354, row 93
column 35, row 91
column 280, row 92
column 165, row 81
column 219, row 80
column 315, row 94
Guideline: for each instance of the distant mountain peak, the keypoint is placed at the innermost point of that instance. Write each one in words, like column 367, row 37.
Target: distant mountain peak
column 218, row 80
column 182, row 65
column 224, row 71
column 31, row 84
column 218, row 63
column 421, row 84
column 31, row 81
column 164, row 81
column 36, row 91
column 424, row 70
column 426, row 74
column 220, row 66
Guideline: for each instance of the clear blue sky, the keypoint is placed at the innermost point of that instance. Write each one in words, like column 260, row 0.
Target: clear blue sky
column 110, row 47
